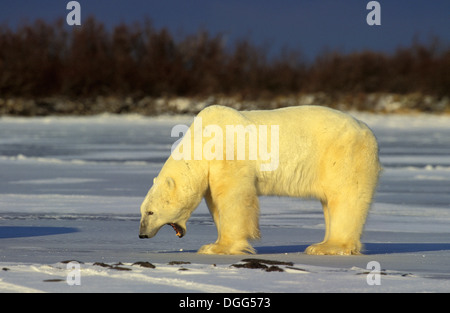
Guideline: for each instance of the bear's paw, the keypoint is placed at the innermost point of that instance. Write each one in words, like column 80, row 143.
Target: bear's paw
column 325, row 248
column 217, row 248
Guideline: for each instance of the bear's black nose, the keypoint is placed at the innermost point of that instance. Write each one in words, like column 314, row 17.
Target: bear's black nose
column 143, row 236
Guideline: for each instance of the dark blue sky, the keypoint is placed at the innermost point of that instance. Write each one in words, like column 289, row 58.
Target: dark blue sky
column 309, row 25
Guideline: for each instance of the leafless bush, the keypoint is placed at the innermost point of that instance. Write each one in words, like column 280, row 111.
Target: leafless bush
column 48, row 59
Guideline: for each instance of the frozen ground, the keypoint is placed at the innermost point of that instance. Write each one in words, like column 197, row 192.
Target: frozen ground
column 71, row 187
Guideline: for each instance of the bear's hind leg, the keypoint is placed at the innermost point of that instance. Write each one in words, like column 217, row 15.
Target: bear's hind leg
column 344, row 222
column 349, row 184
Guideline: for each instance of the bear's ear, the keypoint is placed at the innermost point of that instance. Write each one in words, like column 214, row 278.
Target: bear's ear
column 170, row 183
column 154, row 181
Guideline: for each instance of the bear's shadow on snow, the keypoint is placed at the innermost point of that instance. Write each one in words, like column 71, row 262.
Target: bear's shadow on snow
column 369, row 248
column 388, row 248
column 280, row 249
column 33, row 231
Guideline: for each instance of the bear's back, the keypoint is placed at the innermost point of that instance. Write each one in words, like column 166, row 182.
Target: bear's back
column 307, row 121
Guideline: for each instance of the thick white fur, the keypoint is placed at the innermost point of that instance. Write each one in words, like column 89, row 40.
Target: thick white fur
column 323, row 153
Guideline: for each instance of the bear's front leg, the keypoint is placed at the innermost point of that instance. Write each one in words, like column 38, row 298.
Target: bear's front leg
column 236, row 215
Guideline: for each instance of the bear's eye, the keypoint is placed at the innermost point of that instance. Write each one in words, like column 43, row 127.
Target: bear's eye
column 150, row 213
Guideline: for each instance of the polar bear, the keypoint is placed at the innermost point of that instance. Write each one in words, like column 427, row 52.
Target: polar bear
column 322, row 153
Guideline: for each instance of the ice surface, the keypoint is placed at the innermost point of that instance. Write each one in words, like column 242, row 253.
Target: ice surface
column 71, row 187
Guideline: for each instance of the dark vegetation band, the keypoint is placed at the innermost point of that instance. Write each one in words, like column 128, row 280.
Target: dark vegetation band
column 137, row 60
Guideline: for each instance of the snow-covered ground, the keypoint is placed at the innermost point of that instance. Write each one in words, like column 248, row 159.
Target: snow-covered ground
column 71, row 187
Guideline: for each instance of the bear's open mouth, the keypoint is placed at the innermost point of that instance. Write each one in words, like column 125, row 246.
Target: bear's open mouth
column 178, row 229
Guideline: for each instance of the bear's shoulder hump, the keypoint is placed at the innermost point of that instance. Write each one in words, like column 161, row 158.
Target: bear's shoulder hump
column 215, row 111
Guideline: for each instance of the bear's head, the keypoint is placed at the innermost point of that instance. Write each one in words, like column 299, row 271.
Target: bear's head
column 170, row 201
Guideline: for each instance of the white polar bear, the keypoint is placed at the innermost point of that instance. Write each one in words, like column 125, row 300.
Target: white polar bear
column 322, row 153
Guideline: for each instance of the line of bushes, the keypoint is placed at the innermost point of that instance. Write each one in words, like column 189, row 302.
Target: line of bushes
column 49, row 59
